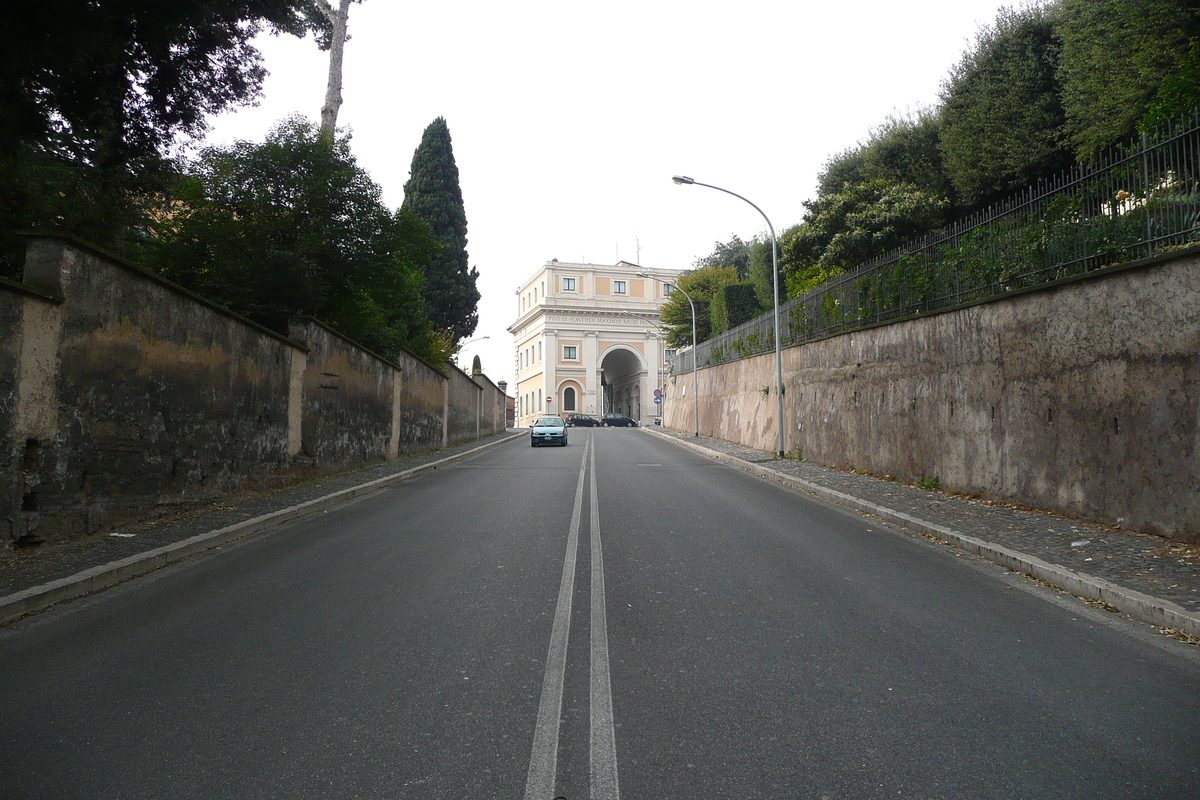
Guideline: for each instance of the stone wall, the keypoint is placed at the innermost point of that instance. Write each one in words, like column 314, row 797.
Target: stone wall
column 121, row 392
column 1082, row 398
column 463, row 400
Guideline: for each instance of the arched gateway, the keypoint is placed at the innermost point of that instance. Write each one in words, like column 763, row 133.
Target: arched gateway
column 588, row 340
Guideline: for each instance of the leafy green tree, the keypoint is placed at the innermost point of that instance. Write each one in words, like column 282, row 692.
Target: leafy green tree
column 902, row 149
column 1126, row 62
column 854, row 226
column 701, row 284
column 734, row 253
column 433, row 195
column 94, row 94
column 1002, row 119
column 294, row 226
column 761, row 277
column 731, row 306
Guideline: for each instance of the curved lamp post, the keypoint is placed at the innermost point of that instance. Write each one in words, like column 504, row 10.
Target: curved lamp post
column 695, row 380
column 461, row 345
column 684, row 180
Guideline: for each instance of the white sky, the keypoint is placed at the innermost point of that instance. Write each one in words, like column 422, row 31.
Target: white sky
column 569, row 119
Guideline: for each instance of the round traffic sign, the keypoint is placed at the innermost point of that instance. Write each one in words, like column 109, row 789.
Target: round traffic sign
column 658, row 392
column 657, row 400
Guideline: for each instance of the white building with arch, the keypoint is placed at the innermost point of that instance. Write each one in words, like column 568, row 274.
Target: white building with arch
column 588, row 340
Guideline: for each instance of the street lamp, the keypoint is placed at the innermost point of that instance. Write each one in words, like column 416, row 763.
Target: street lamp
column 459, row 347
column 683, row 180
column 695, row 379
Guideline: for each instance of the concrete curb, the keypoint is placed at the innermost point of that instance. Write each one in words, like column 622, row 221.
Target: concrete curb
column 38, row 598
column 1146, row 608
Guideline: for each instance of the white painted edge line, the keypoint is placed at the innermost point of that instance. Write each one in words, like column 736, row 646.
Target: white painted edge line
column 602, row 739
column 543, row 757
column 1144, row 607
column 37, row 598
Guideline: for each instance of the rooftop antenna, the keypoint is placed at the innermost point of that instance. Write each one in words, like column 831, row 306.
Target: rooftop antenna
column 639, row 250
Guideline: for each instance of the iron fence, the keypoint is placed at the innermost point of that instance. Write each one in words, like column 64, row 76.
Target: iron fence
column 1135, row 201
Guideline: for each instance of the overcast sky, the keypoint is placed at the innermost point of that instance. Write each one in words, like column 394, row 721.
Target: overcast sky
column 569, row 119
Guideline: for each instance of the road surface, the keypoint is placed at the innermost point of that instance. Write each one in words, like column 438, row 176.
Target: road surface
column 616, row 618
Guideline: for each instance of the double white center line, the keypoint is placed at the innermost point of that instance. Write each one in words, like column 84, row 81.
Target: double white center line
column 543, row 763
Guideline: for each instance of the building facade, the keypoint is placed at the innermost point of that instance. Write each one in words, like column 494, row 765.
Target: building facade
column 588, row 340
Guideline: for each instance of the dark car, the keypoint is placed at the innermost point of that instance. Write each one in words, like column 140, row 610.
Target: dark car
column 548, row 430
column 581, row 421
column 618, row 421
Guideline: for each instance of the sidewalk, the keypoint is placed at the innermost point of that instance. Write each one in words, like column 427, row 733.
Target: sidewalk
column 31, row 580
column 1153, row 579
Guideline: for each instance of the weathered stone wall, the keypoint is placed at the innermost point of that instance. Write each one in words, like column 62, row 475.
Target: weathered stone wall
column 348, row 397
column 464, row 397
column 12, row 302
column 120, row 392
column 1082, row 398
column 492, row 416
column 420, row 411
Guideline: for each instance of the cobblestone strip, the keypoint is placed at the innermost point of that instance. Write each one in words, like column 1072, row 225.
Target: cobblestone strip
column 37, row 598
column 1140, row 605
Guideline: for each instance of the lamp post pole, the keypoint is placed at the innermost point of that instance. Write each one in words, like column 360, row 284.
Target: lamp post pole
column 684, row 180
column 695, row 361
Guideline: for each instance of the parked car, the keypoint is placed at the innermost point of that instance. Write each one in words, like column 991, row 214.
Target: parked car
column 581, row 421
column 548, row 430
column 618, row 421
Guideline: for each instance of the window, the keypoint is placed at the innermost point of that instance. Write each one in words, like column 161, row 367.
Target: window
column 539, row 351
column 618, row 287
column 535, row 294
column 668, row 288
column 569, row 398
column 570, row 352
column 568, row 284
column 669, row 353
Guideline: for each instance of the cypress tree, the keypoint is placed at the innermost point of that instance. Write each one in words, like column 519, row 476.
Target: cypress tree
column 433, row 194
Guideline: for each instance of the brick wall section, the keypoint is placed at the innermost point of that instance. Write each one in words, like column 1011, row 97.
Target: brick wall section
column 121, row 392
column 1082, row 398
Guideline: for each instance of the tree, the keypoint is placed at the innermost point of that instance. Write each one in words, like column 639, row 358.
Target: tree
column 432, row 194
column 337, row 42
column 294, row 226
column 701, row 284
column 1125, row 64
column 1002, row 120
column 902, row 149
column 854, row 226
column 734, row 253
column 761, row 276
column 732, row 305
column 93, row 95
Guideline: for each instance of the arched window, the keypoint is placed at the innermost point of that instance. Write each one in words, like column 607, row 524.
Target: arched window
column 569, row 399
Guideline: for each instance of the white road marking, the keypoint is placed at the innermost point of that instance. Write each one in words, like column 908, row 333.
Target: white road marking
column 603, row 738
column 543, row 762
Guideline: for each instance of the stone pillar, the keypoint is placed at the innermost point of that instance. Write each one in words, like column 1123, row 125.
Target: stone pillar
column 592, row 401
column 653, row 373
column 550, row 368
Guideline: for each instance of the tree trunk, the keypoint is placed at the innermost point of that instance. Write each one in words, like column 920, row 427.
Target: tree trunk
column 333, row 91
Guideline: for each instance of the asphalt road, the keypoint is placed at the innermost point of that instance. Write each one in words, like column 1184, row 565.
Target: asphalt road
column 619, row 617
